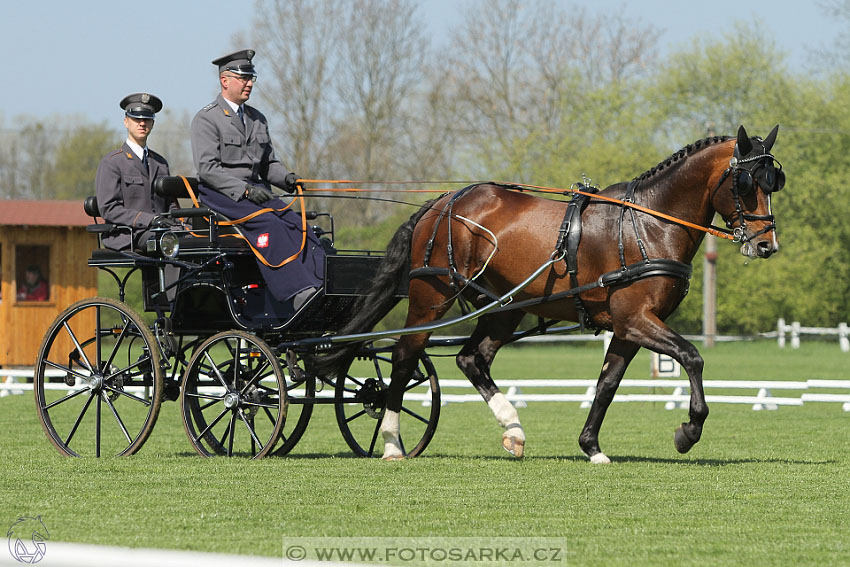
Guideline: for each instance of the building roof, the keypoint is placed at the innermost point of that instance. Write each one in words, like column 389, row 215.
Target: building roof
column 43, row 213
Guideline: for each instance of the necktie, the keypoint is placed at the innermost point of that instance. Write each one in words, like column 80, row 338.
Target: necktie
column 145, row 158
column 241, row 115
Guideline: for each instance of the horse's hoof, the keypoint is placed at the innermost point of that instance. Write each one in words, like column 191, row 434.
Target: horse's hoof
column 514, row 446
column 682, row 441
column 600, row 459
column 393, row 458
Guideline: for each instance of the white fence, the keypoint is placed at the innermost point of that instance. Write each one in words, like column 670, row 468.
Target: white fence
column 520, row 392
column 795, row 330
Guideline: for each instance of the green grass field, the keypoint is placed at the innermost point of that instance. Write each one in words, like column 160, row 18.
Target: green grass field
column 761, row 488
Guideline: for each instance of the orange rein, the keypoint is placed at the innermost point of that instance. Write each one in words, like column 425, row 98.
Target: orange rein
column 709, row 230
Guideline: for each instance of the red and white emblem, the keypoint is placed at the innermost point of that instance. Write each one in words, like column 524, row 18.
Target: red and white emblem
column 263, row 240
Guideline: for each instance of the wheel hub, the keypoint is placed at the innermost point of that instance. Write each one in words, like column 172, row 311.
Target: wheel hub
column 231, row 400
column 372, row 394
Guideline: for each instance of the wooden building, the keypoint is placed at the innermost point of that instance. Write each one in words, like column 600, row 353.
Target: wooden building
column 44, row 249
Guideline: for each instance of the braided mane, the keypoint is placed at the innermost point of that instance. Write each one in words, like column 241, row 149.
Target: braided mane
column 681, row 154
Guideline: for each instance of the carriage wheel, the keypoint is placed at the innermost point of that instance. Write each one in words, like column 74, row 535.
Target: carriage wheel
column 301, row 387
column 233, row 396
column 105, row 353
column 361, row 400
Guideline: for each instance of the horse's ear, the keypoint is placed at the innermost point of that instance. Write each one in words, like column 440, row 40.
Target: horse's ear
column 771, row 138
column 745, row 146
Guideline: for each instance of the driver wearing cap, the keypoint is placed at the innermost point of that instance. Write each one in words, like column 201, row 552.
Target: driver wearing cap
column 237, row 168
column 125, row 175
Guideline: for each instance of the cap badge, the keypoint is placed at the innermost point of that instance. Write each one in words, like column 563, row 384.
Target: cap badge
column 146, row 98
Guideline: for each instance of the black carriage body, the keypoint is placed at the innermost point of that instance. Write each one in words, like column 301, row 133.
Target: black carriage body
column 220, row 286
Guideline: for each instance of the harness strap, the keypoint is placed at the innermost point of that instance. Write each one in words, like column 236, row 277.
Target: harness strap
column 569, row 237
column 633, row 272
column 455, row 275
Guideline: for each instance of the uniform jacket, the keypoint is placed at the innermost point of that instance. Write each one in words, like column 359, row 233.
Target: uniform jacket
column 124, row 193
column 229, row 155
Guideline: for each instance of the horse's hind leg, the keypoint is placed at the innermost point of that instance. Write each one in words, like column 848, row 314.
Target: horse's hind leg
column 475, row 359
column 620, row 354
column 428, row 302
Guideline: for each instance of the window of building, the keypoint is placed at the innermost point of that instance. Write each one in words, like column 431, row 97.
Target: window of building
column 32, row 273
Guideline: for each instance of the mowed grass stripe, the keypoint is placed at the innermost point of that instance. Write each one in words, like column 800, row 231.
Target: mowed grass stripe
column 761, row 488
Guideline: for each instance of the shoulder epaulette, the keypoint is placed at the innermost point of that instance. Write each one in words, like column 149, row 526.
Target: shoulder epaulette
column 213, row 104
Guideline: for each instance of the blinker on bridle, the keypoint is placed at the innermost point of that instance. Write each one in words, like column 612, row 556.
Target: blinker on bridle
column 746, row 172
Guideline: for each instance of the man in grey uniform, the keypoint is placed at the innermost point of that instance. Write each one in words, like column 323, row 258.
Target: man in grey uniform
column 237, row 166
column 124, row 177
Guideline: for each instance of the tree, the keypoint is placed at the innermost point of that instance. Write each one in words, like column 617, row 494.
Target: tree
column 26, row 150
column 524, row 89
column 72, row 170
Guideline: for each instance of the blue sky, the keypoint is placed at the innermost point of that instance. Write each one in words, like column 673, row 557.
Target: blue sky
column 83, row 57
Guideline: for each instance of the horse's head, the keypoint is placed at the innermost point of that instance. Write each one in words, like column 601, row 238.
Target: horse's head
column 744, row 202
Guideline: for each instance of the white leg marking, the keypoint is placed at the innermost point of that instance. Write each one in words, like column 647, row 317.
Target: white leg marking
column 513, row 439
column 390, row 430
column 600, row 459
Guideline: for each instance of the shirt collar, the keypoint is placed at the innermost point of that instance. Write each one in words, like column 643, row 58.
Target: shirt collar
column 232, row 105
column 137, row 149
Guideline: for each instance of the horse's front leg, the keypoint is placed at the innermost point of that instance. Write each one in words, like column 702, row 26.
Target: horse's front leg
column 620, row 353
column 654, row 335
column 475, row 359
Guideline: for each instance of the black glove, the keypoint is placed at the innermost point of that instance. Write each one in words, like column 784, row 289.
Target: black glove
column 258, row 194
column 289, row 182
column 163, row 222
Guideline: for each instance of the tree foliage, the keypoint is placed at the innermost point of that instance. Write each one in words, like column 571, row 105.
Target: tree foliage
column 535, row 92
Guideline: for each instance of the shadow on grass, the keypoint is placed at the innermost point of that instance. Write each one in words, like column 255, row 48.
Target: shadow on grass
column 563, row 458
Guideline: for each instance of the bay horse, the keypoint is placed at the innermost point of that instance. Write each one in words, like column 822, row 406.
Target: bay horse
column 631, row 268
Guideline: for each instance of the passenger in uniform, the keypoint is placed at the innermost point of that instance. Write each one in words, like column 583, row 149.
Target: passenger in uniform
column 237, row 166
column 124, row 177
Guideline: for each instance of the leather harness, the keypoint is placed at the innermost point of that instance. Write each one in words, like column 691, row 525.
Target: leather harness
column 569, row 238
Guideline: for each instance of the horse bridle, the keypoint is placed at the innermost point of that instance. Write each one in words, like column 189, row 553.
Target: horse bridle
column 748, row 172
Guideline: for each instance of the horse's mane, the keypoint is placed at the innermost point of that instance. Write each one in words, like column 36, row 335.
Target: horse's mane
column 681, row 154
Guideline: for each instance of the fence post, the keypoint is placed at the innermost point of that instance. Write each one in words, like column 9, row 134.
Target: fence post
column 795, row 334
column 780, row 332
column 844, row 337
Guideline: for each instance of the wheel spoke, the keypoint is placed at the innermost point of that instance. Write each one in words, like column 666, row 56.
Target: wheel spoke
column 232, row 431
column 97, row 428
column 64, row 368
column 237, row 357
column 146, row 403
column 413, row 414
column 77, row 345
column 115, row 347
column 205, row 397
column 117, row 417
column 66, row 398
column 215, row 369
column 257, row 377
column 355, row 416
column 374, row 437
column 251, row 431
column 126, row 369
column 79, row 419
column 211, row 425
column 260, row 404
column 417, row 383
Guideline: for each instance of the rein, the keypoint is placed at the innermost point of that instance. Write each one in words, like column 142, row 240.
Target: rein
column 714, row 231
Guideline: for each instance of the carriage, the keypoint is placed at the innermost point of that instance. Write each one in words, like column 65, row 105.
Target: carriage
column 247, row 370
column 211, row 331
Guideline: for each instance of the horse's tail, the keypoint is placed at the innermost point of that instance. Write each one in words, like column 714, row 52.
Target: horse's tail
column 370, row 308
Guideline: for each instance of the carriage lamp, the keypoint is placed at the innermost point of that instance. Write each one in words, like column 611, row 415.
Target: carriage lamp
column 169, row 245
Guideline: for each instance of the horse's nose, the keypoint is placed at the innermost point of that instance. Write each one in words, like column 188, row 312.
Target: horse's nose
column 766, row 248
